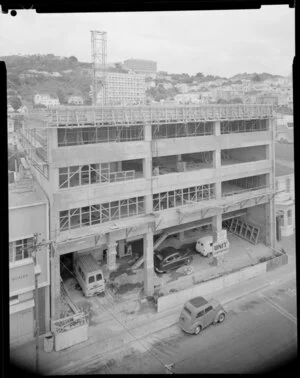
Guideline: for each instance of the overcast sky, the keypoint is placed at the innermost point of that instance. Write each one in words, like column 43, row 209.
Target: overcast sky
column 212, row 42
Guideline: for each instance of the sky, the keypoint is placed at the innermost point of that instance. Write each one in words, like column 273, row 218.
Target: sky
column 221, row 43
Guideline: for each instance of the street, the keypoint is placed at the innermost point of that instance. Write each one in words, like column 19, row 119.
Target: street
column 259, row 333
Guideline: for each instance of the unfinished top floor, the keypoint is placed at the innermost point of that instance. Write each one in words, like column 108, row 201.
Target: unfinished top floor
column 89, row 116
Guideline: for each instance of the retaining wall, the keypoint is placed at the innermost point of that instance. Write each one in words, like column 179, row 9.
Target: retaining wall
column 210, row 286
column 71, row 337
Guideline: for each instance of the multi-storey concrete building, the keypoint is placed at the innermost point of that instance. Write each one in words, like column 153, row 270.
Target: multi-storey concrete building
column 28, row 214
column 116, row 174
column 123, row 89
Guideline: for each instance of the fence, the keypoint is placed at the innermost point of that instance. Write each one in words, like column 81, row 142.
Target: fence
column 70, row 331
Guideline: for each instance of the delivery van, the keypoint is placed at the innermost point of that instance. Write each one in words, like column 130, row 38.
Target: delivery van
column 204, row 245
column 89, row 275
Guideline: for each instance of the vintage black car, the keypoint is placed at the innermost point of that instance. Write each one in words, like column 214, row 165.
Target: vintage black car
column 171, row 258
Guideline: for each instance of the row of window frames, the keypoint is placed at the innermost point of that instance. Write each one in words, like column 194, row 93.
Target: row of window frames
column 86, row 217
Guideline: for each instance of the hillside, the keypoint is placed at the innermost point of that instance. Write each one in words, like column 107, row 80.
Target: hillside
column 58, row 76
column 62, row 77
column 255, row 76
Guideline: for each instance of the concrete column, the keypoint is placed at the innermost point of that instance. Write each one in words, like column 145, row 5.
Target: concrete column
column 148, row 263
column 217, row 158
column 270, row 223
column 147, row 168
column 119, row 166
column 52, row 142
column 121, row 247
column 217, row 226
column 55, row 284
column 217, row 128
column 147, row 133
column 111, row 256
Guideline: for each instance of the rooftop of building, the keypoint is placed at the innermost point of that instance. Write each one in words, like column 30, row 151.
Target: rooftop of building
column 25, row 191
column 283, row 170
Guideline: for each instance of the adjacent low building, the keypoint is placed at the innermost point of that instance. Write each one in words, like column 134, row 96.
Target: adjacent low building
column 285, row 200
column 28, row 215
column 46, row 100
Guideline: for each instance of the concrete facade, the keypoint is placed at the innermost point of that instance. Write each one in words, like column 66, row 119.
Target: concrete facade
column 128, row 208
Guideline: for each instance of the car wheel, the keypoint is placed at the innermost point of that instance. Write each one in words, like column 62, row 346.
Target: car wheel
column 221, row 318
column 197, row 330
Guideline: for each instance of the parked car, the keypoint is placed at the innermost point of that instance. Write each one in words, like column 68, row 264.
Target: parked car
column 171, row 258
column 198, row 313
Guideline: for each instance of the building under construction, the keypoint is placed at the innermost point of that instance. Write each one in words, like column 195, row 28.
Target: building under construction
column 114, row 174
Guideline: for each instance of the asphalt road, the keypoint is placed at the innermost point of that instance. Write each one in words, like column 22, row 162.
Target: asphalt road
column 260, row 332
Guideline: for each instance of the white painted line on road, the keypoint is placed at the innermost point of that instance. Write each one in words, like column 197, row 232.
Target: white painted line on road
column 279, row 308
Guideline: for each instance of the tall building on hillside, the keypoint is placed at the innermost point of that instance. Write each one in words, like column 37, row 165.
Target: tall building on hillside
column 115, row 175
column 146, row 67
column 123, row 89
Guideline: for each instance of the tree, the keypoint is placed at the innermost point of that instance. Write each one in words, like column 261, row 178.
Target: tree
column 15, row 102
column 61, row 95
column 73, row 60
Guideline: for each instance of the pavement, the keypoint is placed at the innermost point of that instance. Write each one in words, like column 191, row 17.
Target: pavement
column 114, row 330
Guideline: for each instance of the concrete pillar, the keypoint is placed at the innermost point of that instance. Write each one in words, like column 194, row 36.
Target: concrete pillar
column 148, row 263
column 217, row 128
column 216, row 226
column 270, row 223
column 55, row 283
column 111, row 256
column 119, row 166
column 217, row 158
column 121, row 248
column 147, row 133
column 147, row 168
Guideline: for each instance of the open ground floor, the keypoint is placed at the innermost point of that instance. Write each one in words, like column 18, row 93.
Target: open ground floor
column 127, row 279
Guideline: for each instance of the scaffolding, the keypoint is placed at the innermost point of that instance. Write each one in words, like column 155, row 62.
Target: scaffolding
column 99, row 46
column 92, row 116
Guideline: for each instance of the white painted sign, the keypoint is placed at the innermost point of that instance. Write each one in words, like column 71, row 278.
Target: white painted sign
column 220, row 247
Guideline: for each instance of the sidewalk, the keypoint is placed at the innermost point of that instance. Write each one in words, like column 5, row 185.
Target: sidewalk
column 115, row 333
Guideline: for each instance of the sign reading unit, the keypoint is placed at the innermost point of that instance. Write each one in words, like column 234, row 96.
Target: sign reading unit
column 220, row 247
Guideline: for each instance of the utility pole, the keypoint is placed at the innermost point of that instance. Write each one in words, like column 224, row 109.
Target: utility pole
column 36, row 246
column 36, row 304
